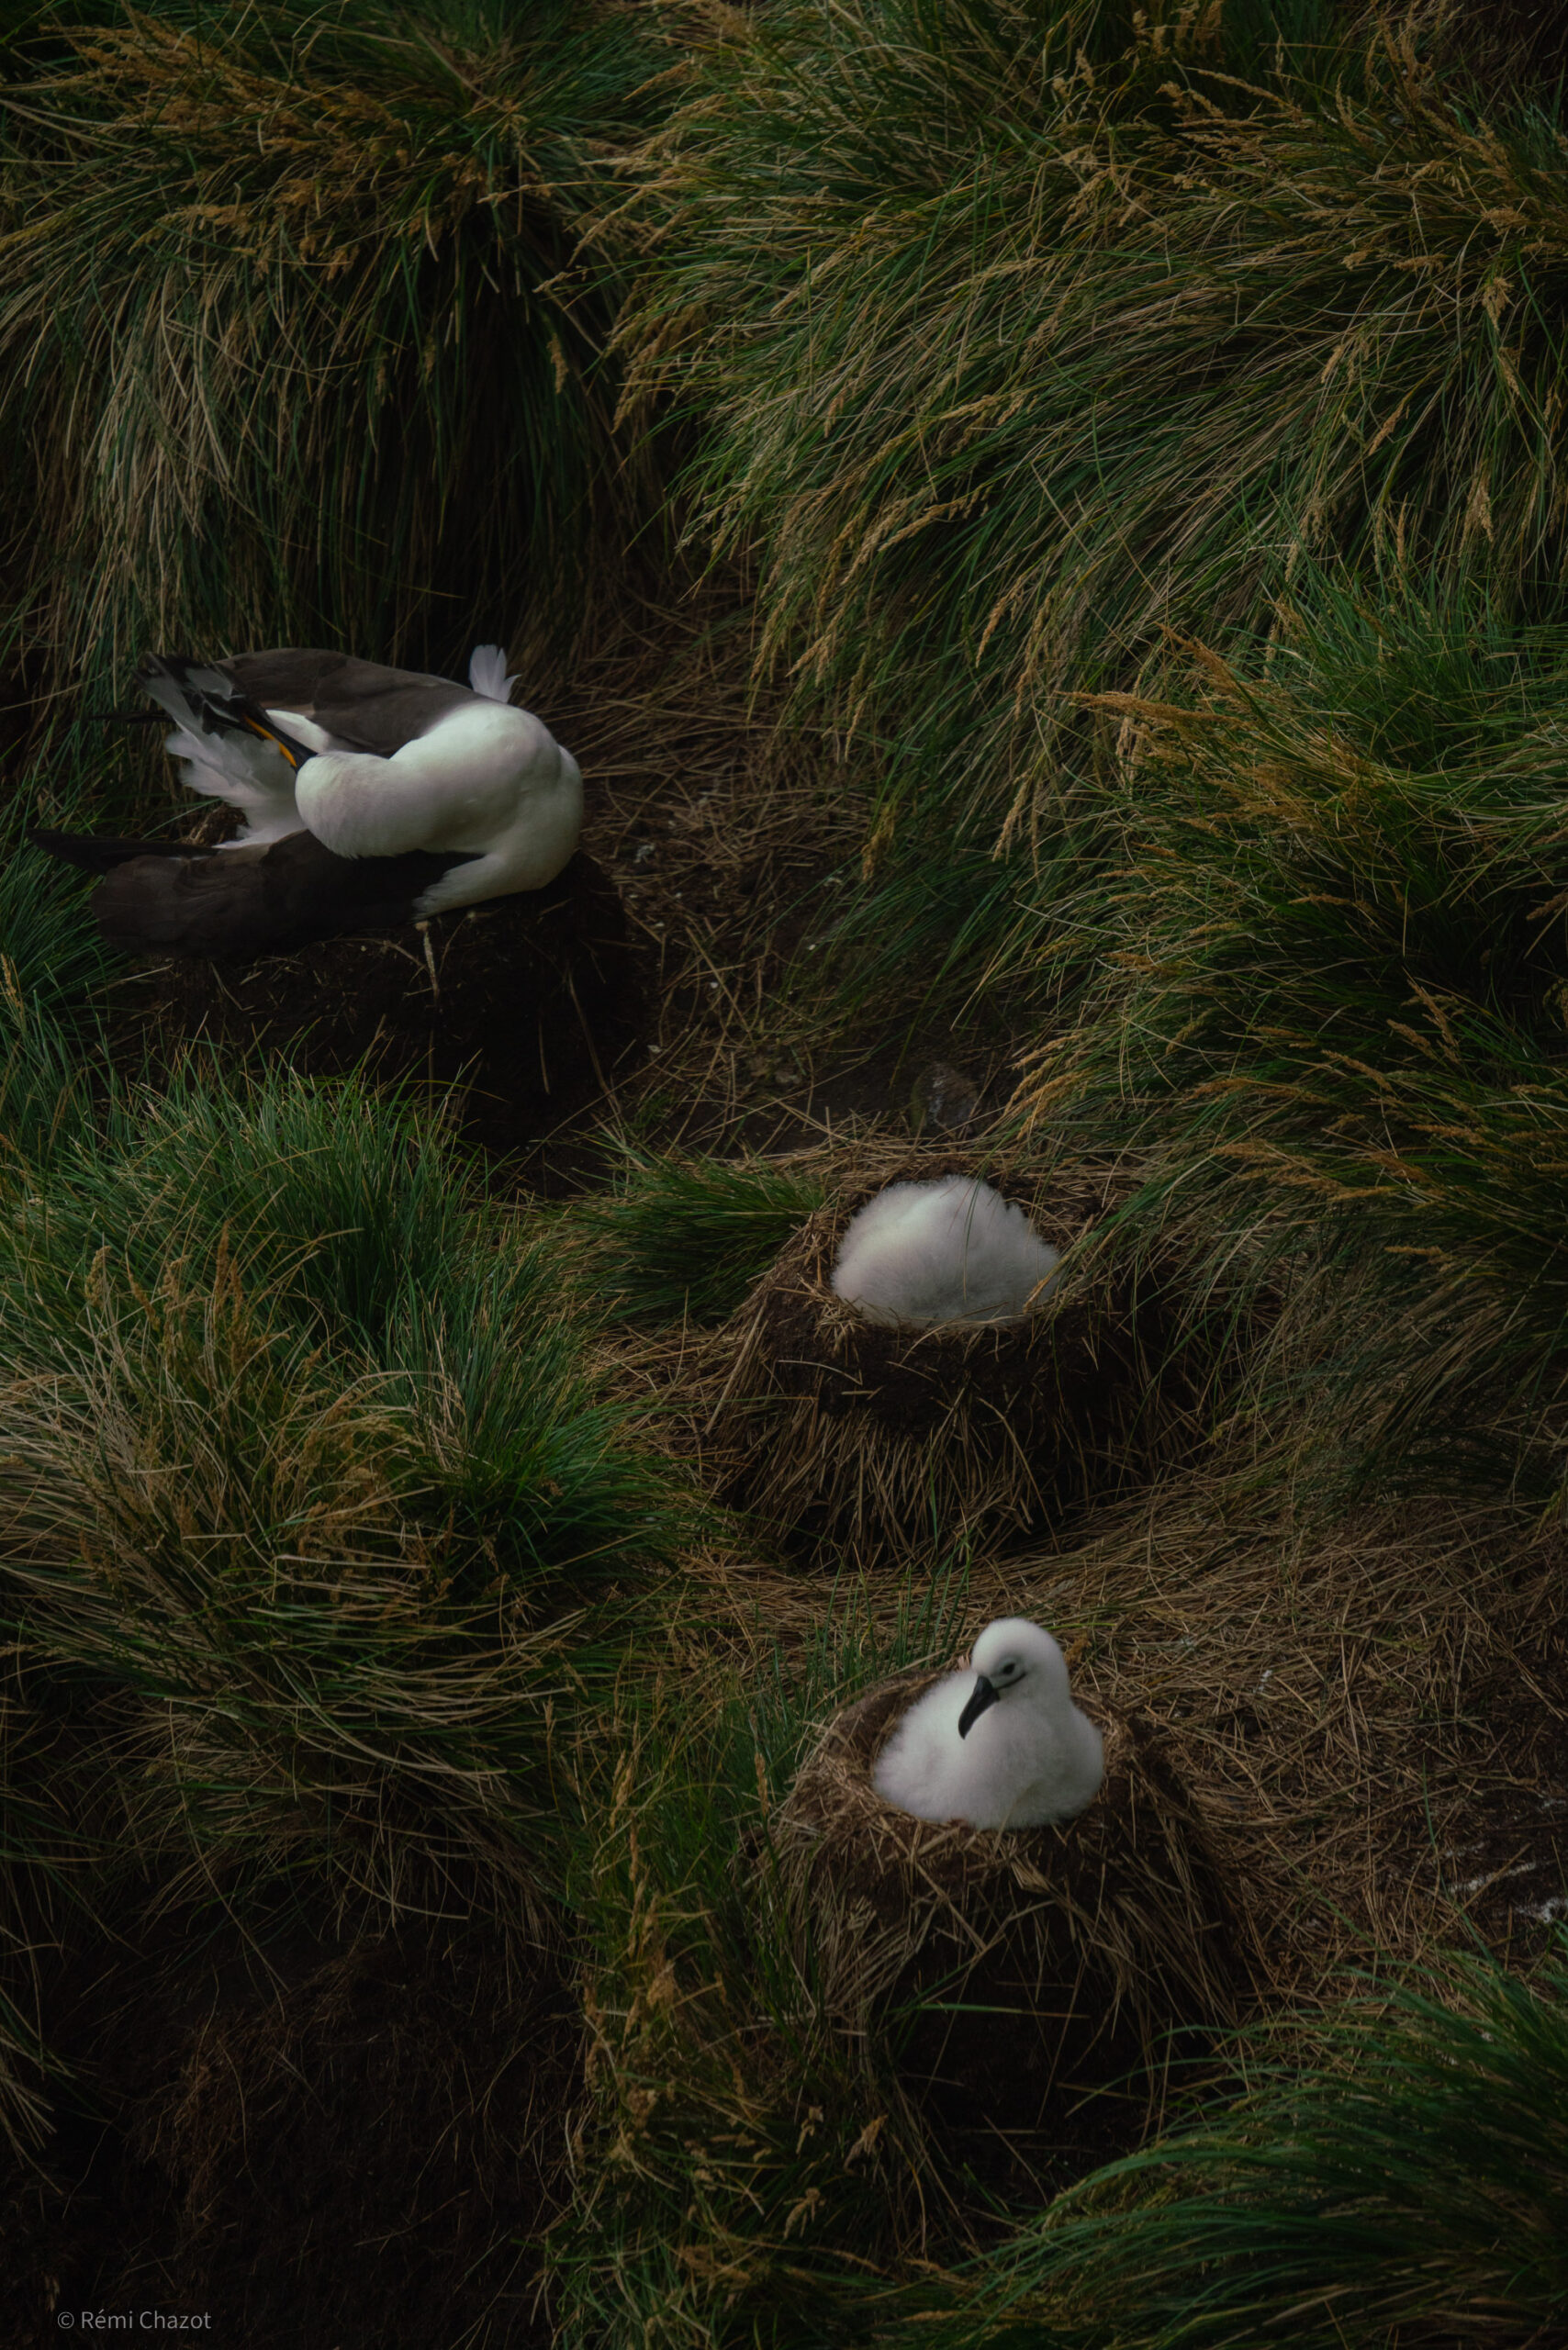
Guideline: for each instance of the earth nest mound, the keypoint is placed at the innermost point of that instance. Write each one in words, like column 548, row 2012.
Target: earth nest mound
column 908, row 1438
column 1030, row 1987
column 526, row 1005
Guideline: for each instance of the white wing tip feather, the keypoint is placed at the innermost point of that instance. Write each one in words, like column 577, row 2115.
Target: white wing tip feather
column 487, row 673
column 266, row 804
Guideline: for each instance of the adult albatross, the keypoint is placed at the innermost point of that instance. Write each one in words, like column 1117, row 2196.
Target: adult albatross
column 372, row 797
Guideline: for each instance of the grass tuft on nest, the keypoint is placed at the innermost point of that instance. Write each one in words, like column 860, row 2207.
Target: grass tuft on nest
column 685, row 1239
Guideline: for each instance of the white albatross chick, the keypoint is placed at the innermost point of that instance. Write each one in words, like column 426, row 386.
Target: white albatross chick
column 949, row 1251
column 1002, row 1746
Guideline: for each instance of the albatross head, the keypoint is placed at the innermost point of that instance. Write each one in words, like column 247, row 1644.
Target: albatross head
column 1013, row 1655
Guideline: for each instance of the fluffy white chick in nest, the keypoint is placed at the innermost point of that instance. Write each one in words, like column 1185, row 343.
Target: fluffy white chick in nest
column 1000, row 1746
column 949, row 1251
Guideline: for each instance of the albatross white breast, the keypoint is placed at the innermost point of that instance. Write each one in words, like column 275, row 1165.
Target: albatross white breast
column 489, row 781
column 380, row 762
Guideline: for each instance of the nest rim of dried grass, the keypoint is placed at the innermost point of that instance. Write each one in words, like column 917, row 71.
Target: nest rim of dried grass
column 900, row 1434
column 1116, row 1931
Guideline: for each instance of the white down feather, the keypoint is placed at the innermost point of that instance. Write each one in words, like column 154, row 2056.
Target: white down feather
column 947, row 1251
column 1024, row 1756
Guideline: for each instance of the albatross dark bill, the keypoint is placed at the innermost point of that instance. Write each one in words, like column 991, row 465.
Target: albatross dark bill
column 982, row 1699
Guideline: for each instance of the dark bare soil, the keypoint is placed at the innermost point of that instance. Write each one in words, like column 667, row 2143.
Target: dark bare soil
column 523, row 1010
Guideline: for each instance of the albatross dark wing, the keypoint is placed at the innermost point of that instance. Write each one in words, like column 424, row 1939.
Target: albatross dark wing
column 365, row 705
column 101, row 852
column 236, row 904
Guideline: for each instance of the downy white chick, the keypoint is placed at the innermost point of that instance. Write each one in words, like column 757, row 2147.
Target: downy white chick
column 1002, row 1746
column 947, row 1251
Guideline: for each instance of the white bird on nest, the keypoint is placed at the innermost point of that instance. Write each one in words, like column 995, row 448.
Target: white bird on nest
column 1002, row 1746
column 949, row 1251
column 371, row 797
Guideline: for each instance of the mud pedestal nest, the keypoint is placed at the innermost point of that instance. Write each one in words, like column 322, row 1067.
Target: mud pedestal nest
column 1029, row 1988
column 526, row 1004
column 910, row 1439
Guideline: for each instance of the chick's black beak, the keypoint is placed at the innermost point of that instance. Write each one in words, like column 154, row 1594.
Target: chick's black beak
column 984, row 1694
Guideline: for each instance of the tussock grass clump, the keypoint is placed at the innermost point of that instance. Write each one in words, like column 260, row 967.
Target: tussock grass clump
column 288, row 355
column 1407, row 2176
column 749, row 2176
column 343, row 1211
column 1331, row 1007
column 304, row 1477
column 1017, row 333
column 316, row 1531
column 842, row 1430
column 1025, row 1984
column 51, row 964
column 688, row 1237
column 227, row 1548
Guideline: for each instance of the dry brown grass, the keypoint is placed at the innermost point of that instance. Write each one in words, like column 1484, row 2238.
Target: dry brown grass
column 1374, row 1707
column 713, row 825
column 1372, row 1716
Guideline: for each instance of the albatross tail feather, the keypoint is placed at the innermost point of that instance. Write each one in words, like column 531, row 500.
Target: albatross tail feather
column 487, row 673
column 102, row 852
